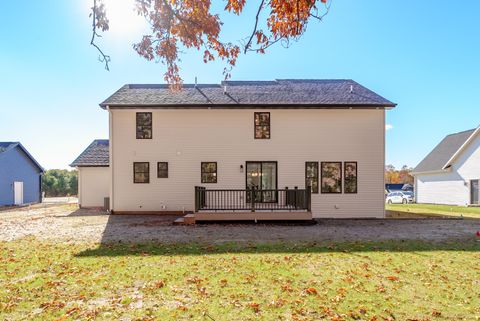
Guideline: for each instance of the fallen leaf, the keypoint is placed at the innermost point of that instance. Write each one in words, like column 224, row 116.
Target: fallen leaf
column 254, row 306
column 311, row 291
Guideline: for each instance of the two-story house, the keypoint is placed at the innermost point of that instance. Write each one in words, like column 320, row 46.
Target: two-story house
column 262, row 149
column 450, row 173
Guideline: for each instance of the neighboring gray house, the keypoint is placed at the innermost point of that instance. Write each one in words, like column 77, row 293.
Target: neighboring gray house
column 450, row 174
column 20, row 175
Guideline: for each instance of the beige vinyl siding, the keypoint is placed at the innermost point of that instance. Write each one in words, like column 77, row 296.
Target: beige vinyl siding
column 185, row 138
column 93, row 185
column 452, row 187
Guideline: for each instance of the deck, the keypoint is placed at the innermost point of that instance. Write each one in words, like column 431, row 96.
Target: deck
column 250, row 205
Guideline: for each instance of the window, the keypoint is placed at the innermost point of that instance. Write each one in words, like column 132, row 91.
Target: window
column 350, row 186
column 162, row 170
column 331, row 177
column 311, row 176
column 144, row 125
column 141, row 172
column 262, row 125
column 209, row 172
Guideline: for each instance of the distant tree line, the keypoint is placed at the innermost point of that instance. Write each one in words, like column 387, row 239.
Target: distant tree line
column 60, row 182
column 398, row 176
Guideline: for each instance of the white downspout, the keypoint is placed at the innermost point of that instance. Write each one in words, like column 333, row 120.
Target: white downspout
column 384, row 158
column 79, row 187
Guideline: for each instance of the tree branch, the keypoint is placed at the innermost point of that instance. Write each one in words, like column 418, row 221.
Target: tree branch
column 249, row 43
column 327, row 9
column 102, row 57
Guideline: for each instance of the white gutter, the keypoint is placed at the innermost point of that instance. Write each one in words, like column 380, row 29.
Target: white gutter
column 439, row 171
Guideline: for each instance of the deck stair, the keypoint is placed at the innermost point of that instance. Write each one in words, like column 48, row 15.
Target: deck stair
column 188, row 219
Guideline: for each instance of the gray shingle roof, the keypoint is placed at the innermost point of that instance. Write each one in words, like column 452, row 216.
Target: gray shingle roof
column 443, row 152
column 239, row 94
column 96, row 154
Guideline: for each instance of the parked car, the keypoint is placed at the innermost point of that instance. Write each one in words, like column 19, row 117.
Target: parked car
column 399, row 198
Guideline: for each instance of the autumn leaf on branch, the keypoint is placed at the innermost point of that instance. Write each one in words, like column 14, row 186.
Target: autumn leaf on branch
column 176, row 24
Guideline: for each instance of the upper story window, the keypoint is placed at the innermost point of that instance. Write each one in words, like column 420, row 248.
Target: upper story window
column 209, row 172
column 262, row 125
column 141, row 172
column 144, row 125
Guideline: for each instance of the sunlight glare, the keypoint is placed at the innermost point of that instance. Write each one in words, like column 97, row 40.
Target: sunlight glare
column 124, row 20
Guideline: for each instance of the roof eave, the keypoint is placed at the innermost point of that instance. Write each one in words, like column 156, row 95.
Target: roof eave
column 42, row 170
column 388, row 106
column 461, row 149
column 87, row 165
column 437, row 171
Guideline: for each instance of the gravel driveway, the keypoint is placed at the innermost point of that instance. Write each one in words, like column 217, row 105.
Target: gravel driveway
column 66, row 223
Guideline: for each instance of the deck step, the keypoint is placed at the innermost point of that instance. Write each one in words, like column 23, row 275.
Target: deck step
column 188, row 219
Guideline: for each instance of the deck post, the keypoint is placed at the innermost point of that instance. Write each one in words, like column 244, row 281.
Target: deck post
column 287, row 196
column 196, row 199
column 309, row 198
column 296, row 196
column 252, row 198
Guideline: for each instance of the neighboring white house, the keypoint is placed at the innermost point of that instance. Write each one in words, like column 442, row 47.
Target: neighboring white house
column 93, row 174
column 169, row 149
column 450, row 174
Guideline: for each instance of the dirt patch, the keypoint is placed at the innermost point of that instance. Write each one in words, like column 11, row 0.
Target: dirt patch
column 67, row 223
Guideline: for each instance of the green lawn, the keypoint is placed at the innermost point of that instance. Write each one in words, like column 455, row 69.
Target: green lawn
column 472, row 212
column 356, row 281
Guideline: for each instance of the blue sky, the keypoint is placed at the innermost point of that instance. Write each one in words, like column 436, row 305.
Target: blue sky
column 423, row 55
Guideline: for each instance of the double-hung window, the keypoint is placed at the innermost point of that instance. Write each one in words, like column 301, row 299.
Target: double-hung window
column 162, row 170
column 144, row 125
column 209, row 172
column 141, row 172
column 262, row 125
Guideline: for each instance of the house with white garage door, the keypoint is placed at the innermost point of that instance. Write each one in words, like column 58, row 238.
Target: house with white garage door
column 241, row 150
column 450, row 173
column 93, row 174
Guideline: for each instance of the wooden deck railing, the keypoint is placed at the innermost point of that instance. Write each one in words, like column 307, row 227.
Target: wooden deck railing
column 253, row 199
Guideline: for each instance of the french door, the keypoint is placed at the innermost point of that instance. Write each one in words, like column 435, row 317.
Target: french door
column 474, row 192
column 262, row 176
